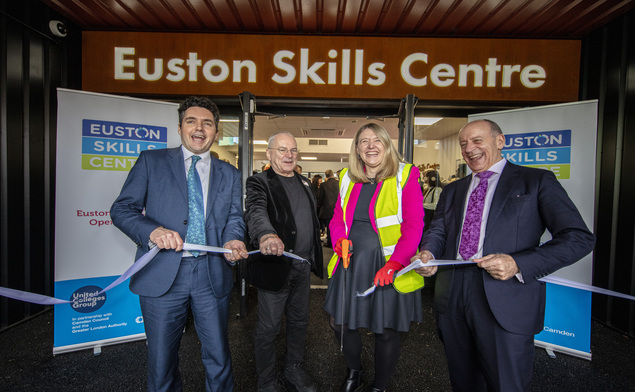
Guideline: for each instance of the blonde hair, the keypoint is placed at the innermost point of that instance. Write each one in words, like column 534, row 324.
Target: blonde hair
column 389, row 165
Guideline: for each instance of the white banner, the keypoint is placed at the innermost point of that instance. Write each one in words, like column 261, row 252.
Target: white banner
column 99, row 137
column 561, row 138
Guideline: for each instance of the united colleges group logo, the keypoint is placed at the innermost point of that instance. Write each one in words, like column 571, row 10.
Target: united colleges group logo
column 549, row 150
column 115, row 146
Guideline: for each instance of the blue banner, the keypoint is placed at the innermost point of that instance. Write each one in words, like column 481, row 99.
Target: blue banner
column 94, row 316
column 567, row 321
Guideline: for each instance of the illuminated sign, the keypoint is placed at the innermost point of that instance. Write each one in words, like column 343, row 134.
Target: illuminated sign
column 331, row 67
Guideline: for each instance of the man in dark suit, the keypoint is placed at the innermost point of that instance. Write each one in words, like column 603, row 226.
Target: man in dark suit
column 175, row 279
column 327, row 197
column 488, row 312
column 281, row 216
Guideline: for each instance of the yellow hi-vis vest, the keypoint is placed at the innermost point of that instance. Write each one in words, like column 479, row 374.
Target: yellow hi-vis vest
column 388, row 218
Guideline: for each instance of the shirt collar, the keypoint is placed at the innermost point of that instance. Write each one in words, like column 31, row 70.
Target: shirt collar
column 205, row 157
column 498, row 166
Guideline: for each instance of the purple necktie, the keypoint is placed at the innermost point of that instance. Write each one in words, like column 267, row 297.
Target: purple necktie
column 473, row 217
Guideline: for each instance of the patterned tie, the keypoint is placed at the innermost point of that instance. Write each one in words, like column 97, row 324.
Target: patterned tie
column 196, row 220
column 473, row 216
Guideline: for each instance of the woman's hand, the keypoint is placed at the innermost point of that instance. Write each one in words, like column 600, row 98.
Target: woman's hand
column 386, row 275
column 338, row 247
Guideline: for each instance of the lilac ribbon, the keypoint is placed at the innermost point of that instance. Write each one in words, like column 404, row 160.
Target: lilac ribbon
column 31, row 297
column 415, row 264
column 585, row 287
column 546, row 279
column 136, row 267
column 291, row 255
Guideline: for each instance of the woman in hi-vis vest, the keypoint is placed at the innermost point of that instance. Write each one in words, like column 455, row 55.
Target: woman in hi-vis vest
column 379, row 210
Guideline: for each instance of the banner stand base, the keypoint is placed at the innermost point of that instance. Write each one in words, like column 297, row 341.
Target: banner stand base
column 97, row 344
column 551, row 348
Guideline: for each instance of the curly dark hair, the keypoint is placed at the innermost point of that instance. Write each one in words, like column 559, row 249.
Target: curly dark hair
column 432, row 177
column 201, row 102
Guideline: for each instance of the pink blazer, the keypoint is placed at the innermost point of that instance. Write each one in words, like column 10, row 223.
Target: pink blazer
column 411, row 227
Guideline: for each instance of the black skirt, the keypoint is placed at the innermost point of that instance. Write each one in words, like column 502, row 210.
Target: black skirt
column 385, row 308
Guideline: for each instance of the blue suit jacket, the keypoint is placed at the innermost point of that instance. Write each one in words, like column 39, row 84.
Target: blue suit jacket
column 158, row 184
column 526, row 202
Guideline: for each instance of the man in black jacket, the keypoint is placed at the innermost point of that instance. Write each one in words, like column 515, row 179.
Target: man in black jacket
column 327, row 198
column 279, row 209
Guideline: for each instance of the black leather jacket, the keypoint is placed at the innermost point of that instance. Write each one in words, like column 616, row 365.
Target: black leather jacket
column 267, row 210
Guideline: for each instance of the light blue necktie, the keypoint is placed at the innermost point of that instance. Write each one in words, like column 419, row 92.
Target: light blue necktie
column 196, row 220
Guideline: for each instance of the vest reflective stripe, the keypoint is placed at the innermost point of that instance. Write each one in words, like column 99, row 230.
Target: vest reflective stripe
column 388, row 218
column 388, row 221
column 388, row 210
column 346, row 187
column 389, row 249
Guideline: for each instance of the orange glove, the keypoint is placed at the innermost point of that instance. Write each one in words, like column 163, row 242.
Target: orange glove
column 338, row 247
column 386, row 274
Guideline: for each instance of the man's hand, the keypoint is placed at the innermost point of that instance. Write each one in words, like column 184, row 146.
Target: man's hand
column 499, row 266
column 166, row 239
column 271, row 244
column 238, row 248
column 424, row 256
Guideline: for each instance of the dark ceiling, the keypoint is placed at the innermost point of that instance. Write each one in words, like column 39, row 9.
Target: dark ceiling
column 450, row 18
column 570, row 19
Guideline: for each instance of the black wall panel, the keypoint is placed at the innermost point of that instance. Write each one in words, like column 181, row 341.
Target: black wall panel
column 609, row 76
column 33, row 64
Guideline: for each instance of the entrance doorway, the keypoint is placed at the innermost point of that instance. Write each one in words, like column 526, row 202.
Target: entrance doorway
column 324, row 142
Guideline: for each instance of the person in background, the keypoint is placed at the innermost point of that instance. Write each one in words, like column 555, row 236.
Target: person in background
column 167, row 195
column 488, row 311
column 461, row 171
column 316, row 182
column 379, row 211
column 298, row 169
column 281, row 216
column 326, row 199
column 431, row 196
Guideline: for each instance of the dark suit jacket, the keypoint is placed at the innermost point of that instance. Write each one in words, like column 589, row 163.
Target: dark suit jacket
column 329, row 190
column 526, row 201
column 158, row 183
column 267, row 210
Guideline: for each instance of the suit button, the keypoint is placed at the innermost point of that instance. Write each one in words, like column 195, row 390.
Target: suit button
column 290, row 250
column 293, row 232
column 185, row 222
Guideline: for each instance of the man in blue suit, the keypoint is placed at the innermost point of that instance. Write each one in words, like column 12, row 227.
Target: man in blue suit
column 488, row 312
column 175, row 279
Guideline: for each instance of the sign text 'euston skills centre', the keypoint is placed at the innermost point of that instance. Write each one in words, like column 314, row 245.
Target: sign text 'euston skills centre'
column 331, row 67
column 342, row 67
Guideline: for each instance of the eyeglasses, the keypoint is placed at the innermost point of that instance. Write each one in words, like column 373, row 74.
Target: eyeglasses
column 284, row 151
